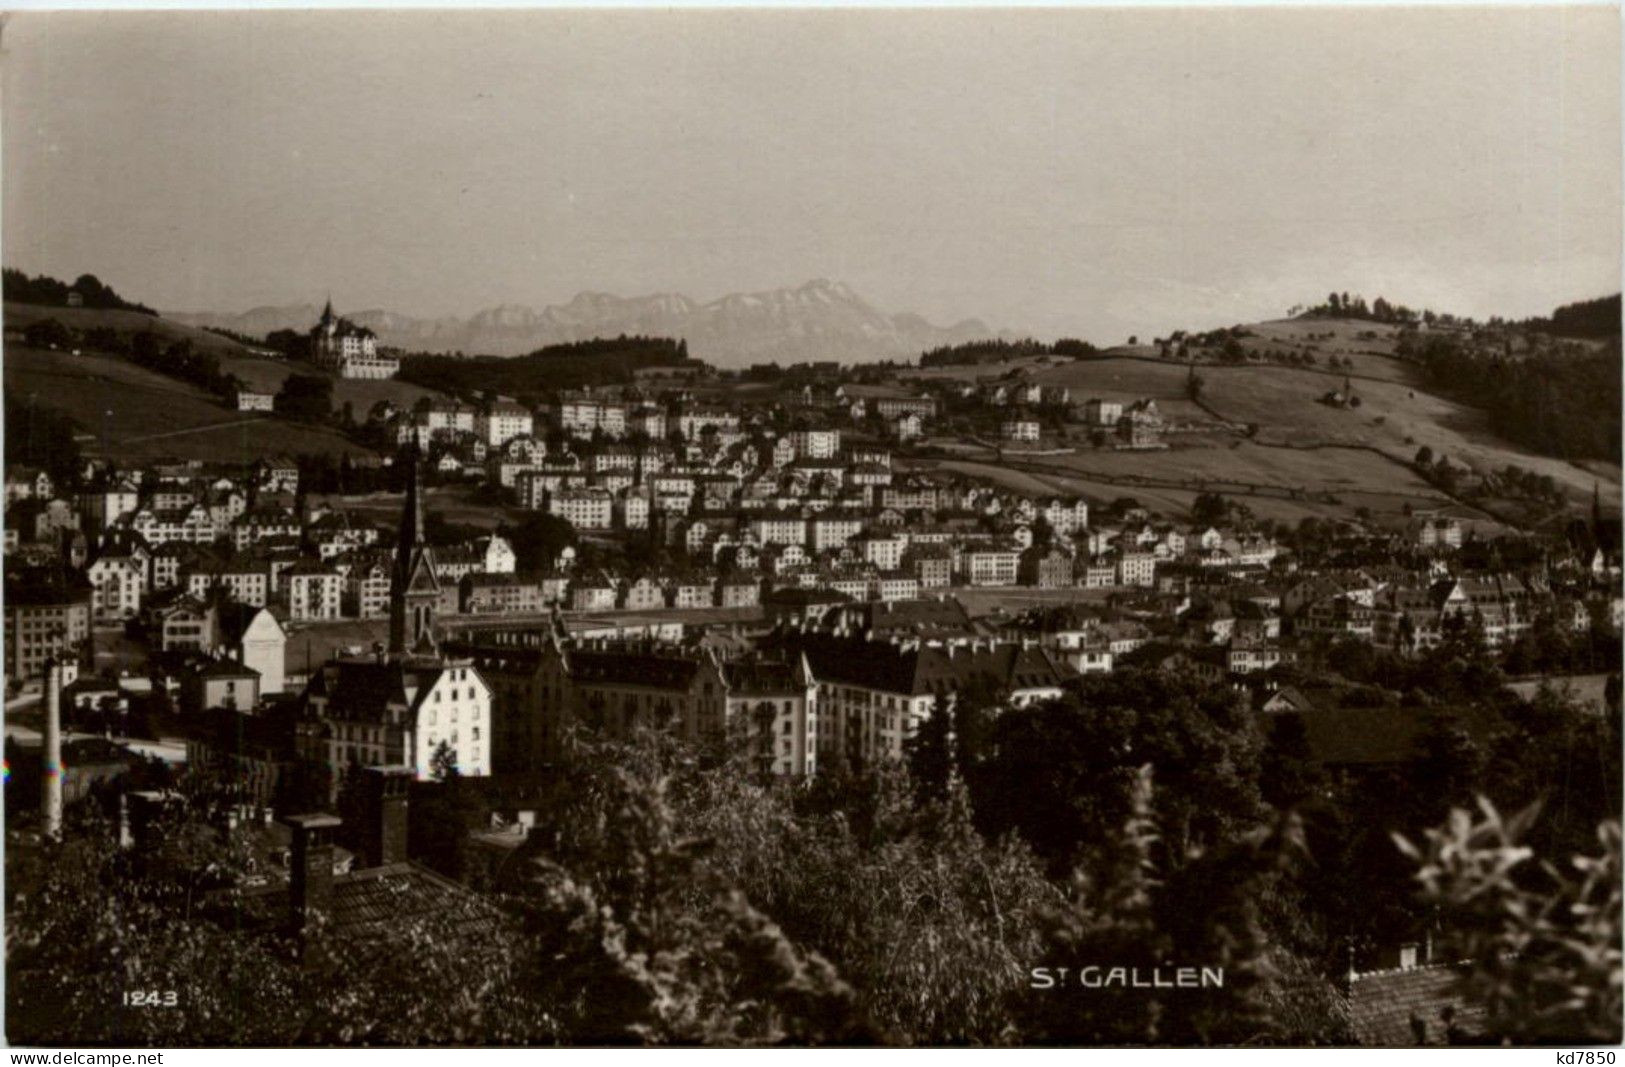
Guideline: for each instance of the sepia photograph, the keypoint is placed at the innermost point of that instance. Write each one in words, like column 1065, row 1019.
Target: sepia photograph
column 812, row 527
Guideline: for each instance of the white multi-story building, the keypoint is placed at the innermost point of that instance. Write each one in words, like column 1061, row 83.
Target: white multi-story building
column 585, row 509
column 367, row 590
column 991, row 566
column 496, row 555
column 884, row 552
column 632, row 510
column 832, row 529
column 650, row 421
column 106, row 506
column 778, row 528
column 816, row 444
column 314, row 593
column 1102, row 413
column 352, row 351
column 245, row 582
column 195, row 525
column 580, row 415
column 502, row 421
column 391, row 714
column 1066, row 516
column 1019, row 430
column 693, row 423
column 1137, row 568
column 254, row 638
column 116, row 583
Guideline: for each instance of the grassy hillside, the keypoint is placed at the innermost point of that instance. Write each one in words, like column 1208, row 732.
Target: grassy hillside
column 126, row 323
column 1260, row 430
column 261, row 373
column 135, row 415
column 267, row 375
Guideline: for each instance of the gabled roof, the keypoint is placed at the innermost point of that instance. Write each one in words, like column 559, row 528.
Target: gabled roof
column 756, row 677
column 376, row 900
column 646, row 669
column 1417, row 1006
column 925, row 670
column 225, row 668
column 360, row 690
column 235, row 619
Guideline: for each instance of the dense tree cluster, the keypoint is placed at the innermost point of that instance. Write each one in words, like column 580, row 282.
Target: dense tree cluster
column 535, row 377
column 998, row 350
column 42, row 289
column 1344, row 306
column 672, row 894
column 305, row 397
column 1567, row 407
column 41, row 437
column 1588, row 318
column 179, row 360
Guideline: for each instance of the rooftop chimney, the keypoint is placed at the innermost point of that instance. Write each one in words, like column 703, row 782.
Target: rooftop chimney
column 51, row 758
column 310, row 889
column 141, row 812
column 384, row 833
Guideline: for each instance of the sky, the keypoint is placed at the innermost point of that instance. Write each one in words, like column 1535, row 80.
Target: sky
column 1089, row 173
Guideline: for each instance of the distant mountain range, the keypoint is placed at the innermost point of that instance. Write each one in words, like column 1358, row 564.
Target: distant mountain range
column 821, row 320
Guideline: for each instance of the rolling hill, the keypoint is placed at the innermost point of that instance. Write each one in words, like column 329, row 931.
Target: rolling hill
column 136, row 415
column 1263, row 425
column 259, row 372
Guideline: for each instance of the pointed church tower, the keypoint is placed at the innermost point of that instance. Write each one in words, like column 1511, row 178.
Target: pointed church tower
column 414, row 588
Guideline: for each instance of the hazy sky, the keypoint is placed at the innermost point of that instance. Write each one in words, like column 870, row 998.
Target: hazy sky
column 1086, row 172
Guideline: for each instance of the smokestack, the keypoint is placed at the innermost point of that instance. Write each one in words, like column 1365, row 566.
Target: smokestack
column 385, row 831
column 51, row 759
column 310, row 889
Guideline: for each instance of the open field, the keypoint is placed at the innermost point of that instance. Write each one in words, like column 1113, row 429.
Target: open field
column 263, row 374
column 267, row 375
column 1395, row 416
column 136, row 415
column 1277, row 484
column 451, row 503
column 126, row 323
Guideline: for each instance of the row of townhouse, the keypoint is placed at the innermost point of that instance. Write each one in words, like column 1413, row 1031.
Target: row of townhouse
column 543, row 687
column 821, row 702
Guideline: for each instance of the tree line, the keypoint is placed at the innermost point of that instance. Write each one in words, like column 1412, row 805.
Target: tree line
column 1586, row 319
column 1566, row 407
column 998, row 350
column 672, row 893
column 43, row 289
column 537, row 376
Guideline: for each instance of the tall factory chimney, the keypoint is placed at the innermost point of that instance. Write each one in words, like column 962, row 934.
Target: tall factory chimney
column 51, row 759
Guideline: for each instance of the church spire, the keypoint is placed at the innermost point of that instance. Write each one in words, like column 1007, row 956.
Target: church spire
column 412, row 512
column 414, row 586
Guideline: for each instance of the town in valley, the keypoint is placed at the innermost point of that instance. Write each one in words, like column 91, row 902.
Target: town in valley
column 778, row 670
